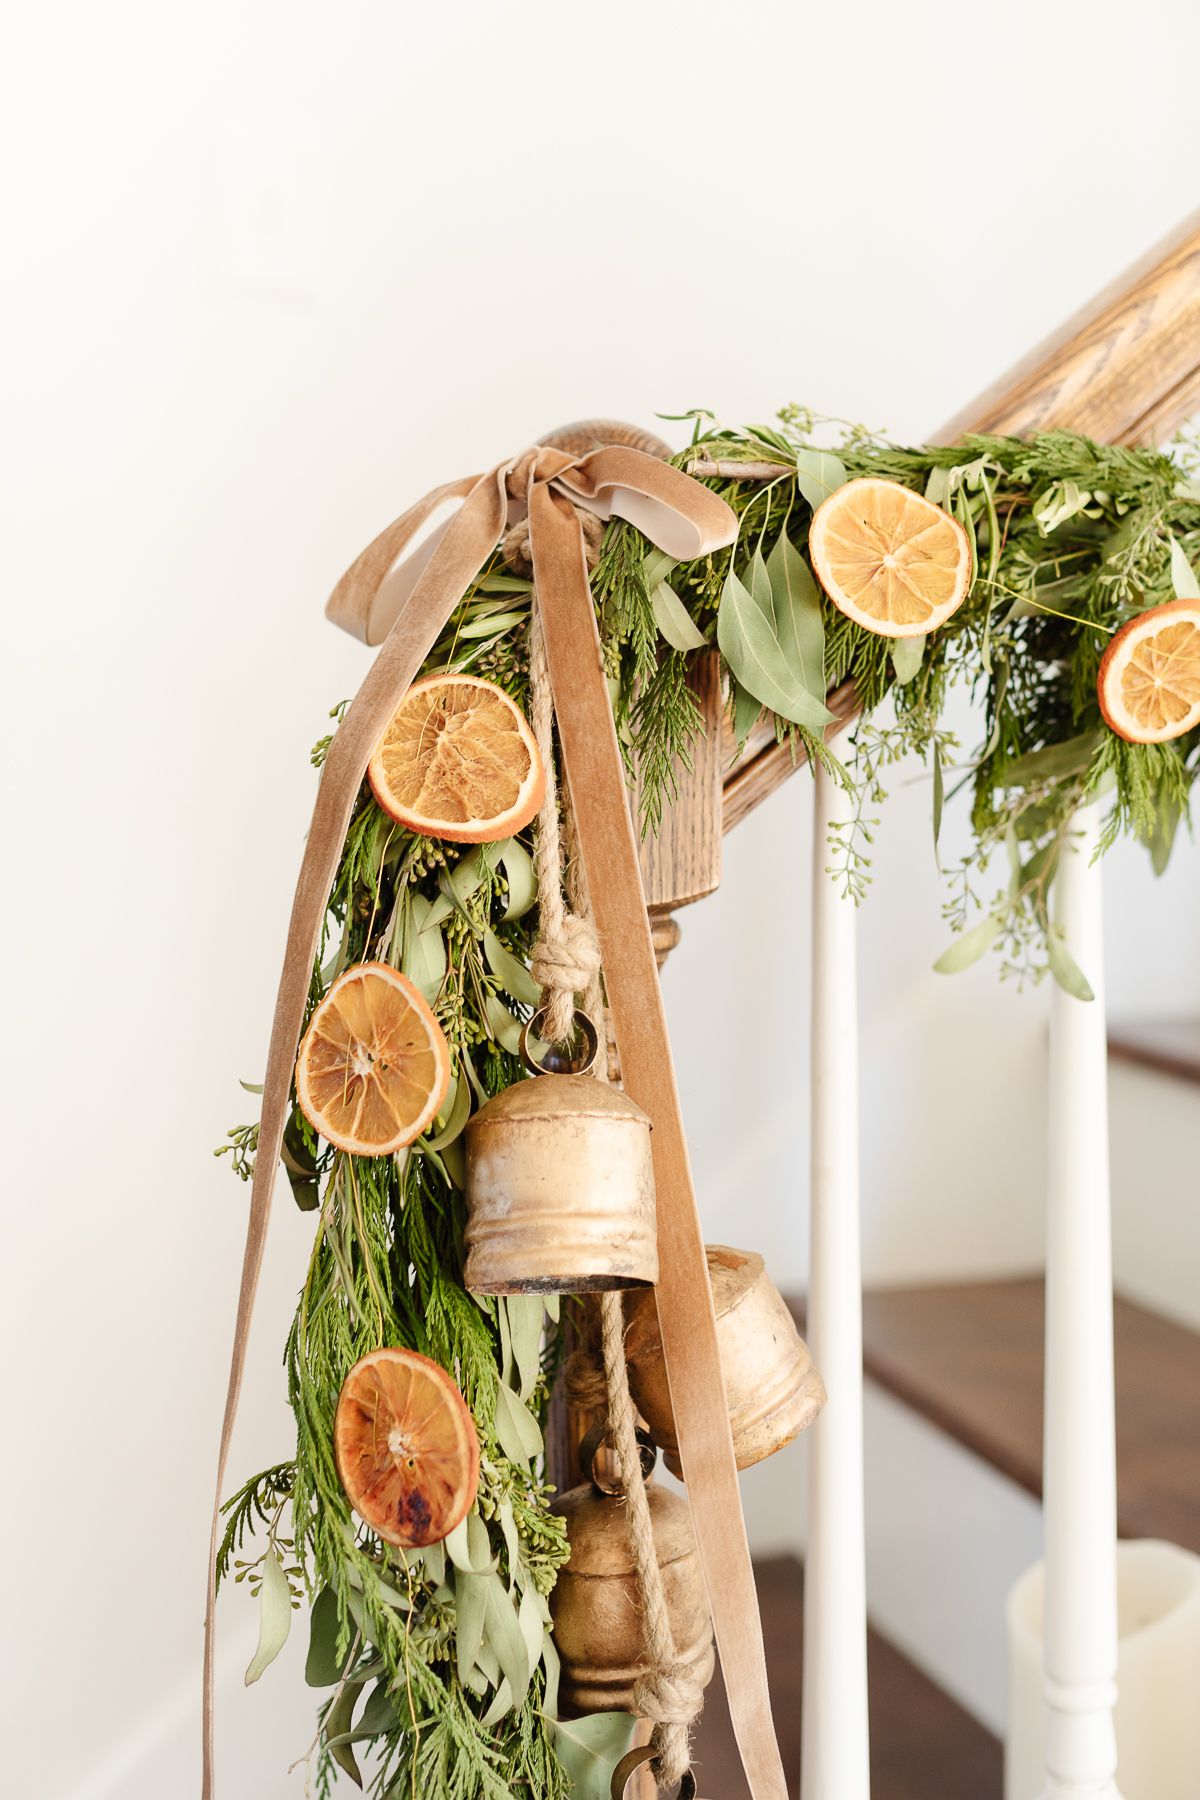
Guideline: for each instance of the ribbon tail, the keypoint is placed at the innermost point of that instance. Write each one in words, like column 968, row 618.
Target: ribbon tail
column 456, row 559
column 684, row 1297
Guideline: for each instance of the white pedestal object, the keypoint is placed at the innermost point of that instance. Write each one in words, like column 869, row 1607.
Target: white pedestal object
column 1158, row 1675
column 834, row 1743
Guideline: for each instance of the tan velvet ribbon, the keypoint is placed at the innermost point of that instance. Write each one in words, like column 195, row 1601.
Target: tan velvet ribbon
column 402, row 590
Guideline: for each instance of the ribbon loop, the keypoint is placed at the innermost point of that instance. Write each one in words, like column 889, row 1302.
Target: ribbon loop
column 401, row 592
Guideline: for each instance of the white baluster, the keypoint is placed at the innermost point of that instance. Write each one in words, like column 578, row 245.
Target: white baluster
column 1080, row 1444
column 834, row 1743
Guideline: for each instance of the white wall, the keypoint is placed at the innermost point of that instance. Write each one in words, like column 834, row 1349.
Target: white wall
column 273, row 269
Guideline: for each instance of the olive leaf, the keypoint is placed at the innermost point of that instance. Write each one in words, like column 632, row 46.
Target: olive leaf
column 746, row 712
column 1065, row 970
column 469, row 1547
column 517, row 1431
column 908, row 653
column 521, row 876
column 1183, row 576
column 674, row 620
column 460, row 882
column 818, row 473
column 752, row 644
column 589, row 1749
column 969, row 946
column 939, row 800
column 275, row 1614
column 503, row 1632
column 937, row 488
column 509, row 971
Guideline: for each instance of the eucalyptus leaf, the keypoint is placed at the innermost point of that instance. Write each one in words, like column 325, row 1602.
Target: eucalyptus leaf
column 746, row 712
column 589, row 1749
column 796, row 602
column 470, row 1612
column 751, row 645
column 456, row 1117
column 469, row 1547
column 1161, row 839
column 553, row 1668
column 521, row 876
column 509, row 971
column 1065, row 970
column 517, row 1431
column 339, row 1727
column 939, row 800
column 275, row 1614
column 673, row 619
column 937, row 488
column 379, row 1714
column 423, row 952
column 324, row 1667
column 503, row 1632
column 251, row 1087
column 1183, row 576
column 818, row 473
column 459, row 883
column 525, row 1314
column 532, row 1624
column 657, row 566
column 1055, row 761
column 504, row 1028
column 969, row 946
column 512, row 1541
column 502, row 1703
column 908, row 653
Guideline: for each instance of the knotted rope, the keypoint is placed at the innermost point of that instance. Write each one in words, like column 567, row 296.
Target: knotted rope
column 566, row 962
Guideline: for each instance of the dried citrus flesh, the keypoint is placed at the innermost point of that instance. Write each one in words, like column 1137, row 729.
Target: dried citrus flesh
column 888, row 558
column 406, row 1449
column 1149, row 682
column 458, row 761
column 374, row 1066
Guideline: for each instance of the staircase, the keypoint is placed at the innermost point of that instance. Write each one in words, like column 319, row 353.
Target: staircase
column 954, row 1382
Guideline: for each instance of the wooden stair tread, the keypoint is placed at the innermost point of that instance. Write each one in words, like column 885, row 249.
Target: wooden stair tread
column 968, row 1357
column 922, row 1741
column 1171, row 1046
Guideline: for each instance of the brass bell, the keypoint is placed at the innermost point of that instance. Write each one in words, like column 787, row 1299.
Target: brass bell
column 596, row 1607
column 771, row 1384
column 560, row 1185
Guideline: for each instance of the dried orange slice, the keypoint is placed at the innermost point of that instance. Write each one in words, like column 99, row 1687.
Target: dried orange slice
column 374, row 1066
column 1149, row 681
column 406, row 1449
column 888, row 558
column 458, row 761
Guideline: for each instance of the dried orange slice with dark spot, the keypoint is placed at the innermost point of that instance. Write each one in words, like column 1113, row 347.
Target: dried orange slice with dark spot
column 406, row 1449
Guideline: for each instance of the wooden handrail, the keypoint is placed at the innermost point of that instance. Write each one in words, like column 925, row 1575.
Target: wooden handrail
column 1124, row 370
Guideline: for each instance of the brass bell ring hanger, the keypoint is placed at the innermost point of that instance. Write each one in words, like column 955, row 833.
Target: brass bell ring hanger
column 636, row 1759
column 400, row 593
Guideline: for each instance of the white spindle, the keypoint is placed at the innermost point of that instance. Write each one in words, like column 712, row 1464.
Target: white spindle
column 1080, row 1445
column 834, row 1744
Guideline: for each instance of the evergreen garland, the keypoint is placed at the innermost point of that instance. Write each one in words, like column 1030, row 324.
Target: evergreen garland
column 422, row 1651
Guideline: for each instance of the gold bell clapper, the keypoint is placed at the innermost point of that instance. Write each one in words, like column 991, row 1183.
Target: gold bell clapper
column 771, row 1383
column 599, row 1624
column 560, row 1184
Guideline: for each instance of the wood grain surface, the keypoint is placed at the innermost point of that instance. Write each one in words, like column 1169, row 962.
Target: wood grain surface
column 923, row 1745
column 968, row 1357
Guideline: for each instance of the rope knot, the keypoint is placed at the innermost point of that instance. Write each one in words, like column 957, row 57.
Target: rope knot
column 669, row 1695
column 514, row 546
column 568, row 961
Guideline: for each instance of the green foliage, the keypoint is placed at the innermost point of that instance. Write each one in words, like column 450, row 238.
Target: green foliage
column 441, row 1667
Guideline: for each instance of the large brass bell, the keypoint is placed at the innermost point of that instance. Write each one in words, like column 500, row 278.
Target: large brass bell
column 595, row 1605
column 560, row 1186
column 771, row 1384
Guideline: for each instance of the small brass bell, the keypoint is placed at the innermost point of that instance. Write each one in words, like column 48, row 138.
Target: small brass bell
column 771, row 1384
column 560, row 1186
column 595, row 1604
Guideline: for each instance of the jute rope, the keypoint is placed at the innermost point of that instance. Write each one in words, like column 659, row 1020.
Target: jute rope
column 566, row 962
